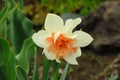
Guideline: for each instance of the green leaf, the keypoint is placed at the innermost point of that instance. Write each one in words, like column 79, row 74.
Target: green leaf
column 64, row 72
column 20, row 28
column 3, row 13
column 3, row 16
column 21, row 74
column 11, row 3
column 35, row 71
column 4, row 51
column 10, row 67
column 2, row 73
column 113, row 77
column 55, row 70
column 46, row 67
column 7, row 61
column 20, row 2
column 25, row 55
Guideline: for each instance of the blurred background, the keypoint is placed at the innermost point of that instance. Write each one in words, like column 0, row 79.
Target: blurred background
column 37, row 10
column 101, row 19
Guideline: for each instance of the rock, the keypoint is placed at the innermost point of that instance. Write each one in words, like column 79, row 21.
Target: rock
column 66, row 16
column 104, row 25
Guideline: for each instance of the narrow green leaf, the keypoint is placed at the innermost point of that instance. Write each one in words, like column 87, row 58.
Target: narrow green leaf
column 55, row 70
column 3, row 16
column 20, row 28
column 64, row 72
column 3, row 13
column 25, row 55
column 10, row 67
column 4, row 51
column 46, row 67
column 35, row 71
column 21, row 74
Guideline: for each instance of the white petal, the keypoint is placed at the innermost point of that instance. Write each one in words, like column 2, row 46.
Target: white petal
column 71, row 24
column 58, row 60
column 71, row 59
column 78, row 53
column 53, row 23
column 72, row 36
column 56, row 36
column 50, row 55
column 39, row 38
column 84, row 39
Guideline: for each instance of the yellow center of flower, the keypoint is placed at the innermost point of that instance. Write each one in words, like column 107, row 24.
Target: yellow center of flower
column 62, row 46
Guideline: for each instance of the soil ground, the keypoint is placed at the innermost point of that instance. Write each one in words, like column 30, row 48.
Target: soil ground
column 91, row 64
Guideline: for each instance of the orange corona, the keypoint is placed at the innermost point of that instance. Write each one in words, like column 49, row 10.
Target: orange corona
column 62, row 46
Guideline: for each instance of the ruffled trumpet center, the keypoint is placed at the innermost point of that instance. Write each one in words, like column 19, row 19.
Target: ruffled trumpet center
column 62, row 47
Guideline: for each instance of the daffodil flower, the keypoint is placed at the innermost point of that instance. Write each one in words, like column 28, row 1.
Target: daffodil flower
column 58, row 40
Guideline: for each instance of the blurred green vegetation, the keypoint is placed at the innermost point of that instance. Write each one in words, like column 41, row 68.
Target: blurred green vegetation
column 37, row 10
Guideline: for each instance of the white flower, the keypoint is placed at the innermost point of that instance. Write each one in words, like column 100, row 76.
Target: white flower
column 58, row 40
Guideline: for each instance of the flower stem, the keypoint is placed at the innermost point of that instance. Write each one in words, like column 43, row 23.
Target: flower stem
column 46, row 66
column 64, row 72
column 35, row 71
column 56, row 67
